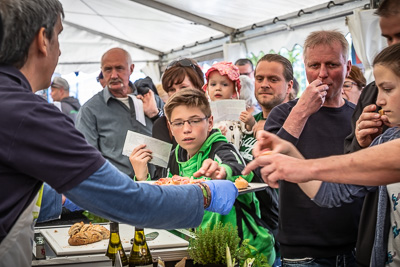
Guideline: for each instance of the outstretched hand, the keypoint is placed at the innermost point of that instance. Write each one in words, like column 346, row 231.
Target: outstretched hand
column 210, row 168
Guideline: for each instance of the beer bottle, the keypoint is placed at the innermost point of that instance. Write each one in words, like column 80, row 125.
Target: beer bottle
column 115, row 246
column 140, row 253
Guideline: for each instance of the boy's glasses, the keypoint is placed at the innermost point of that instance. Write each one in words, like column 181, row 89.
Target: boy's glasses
column 348, row 85
column 192, row 122
column 182, row 62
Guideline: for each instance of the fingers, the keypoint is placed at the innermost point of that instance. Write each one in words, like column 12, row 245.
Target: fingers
column 211, row 168
column 257, row 162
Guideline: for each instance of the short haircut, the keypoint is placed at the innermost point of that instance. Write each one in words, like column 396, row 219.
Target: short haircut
column 127, row 55
column 287, row 66
column 357, row 76
column 188, row 97
column 326, row 38
column 390, row 58
column 388, row 8
column 244, row 61
column 22, row 20
column 176, row 73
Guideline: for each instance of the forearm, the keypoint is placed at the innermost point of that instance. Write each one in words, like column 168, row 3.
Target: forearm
column 377, row 165
column 295, row 122
column 113, row 195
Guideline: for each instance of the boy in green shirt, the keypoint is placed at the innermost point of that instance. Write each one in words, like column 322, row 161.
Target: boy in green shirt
column 204, row 152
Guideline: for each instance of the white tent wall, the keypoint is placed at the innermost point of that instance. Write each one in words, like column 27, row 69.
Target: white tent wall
column 367, row 39
column 155, row 32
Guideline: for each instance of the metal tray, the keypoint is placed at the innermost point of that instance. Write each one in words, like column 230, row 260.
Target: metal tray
column 253, row 187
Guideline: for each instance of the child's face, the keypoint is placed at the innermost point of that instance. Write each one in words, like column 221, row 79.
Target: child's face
column 388, row 92
column 190, row 136
column 220, row 87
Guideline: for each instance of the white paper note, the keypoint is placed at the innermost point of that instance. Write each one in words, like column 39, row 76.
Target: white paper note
column 138, row 109
column 160, row 149
column 227, row 109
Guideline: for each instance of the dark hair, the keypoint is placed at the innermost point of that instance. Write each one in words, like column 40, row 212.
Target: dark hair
column 22, row 19
column 190, row 98
column 358, row 77
column 287, row 66
column 388, row 8
column 390, row 58
column 244, row 61
column 326, row 38
column 176, row 73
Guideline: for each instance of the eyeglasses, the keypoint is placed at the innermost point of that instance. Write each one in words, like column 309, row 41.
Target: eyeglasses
column 182, row 62
column 192, row 122
column 348, row 85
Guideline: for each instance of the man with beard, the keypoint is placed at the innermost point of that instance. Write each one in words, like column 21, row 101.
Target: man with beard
column 105, row 119
column 273, row 86
column 317, row 124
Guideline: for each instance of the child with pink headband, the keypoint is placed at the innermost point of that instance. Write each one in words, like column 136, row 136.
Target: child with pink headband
column 223, row 83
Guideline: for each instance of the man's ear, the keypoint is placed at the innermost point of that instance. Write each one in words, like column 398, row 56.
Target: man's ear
column 42, row 41
column 131, row 68
column 348, row 65
column 289, row 87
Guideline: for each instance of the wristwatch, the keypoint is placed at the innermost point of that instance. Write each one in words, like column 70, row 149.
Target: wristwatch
column 159, row 114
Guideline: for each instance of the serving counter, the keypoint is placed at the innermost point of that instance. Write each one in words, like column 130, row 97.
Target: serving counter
column 170, row 246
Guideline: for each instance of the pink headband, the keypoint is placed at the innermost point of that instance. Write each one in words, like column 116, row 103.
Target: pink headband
column 228, row 69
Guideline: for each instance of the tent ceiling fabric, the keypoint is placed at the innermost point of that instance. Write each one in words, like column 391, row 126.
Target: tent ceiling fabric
column 150, row 34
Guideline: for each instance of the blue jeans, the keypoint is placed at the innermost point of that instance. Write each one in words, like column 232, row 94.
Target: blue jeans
column 342, row 260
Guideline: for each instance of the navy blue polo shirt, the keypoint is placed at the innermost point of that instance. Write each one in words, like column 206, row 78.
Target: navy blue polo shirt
column 38, row 143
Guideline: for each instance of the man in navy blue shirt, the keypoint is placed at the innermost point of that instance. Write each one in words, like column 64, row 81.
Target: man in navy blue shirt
column 31, row 152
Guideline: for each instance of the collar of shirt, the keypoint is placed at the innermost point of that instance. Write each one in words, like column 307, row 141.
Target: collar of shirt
column 16, row 75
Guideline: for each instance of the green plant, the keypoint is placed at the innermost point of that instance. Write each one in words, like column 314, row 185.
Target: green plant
column 247, row 254
column 209, row 244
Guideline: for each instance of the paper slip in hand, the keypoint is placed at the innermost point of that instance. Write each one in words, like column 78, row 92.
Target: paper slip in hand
column 160, row 149
column 138, row 104
column 227, row 109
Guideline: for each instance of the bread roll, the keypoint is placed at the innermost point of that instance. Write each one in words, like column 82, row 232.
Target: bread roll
column 241, row 183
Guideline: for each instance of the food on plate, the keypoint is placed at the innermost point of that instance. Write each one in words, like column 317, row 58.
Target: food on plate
column 241, row 183
column 178, row 180
column 82, row 234
column 381, row 112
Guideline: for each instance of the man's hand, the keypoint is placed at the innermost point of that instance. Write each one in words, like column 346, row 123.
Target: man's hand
column 139, row 159
column 313, row 98
column 149, row 104
column 277, row 167
column 368, row 125
column 247, row 118
column 223, row 195
column 212, row 169
column 271, row 144
column 309, row 103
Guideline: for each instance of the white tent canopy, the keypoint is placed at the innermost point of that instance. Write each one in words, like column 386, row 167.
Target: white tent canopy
column 155, row 32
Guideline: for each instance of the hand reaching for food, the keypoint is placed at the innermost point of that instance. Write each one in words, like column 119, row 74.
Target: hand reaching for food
column 210, row 168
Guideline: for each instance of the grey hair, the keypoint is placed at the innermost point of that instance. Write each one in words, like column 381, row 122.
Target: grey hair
column 247, row 91
column 22, row 20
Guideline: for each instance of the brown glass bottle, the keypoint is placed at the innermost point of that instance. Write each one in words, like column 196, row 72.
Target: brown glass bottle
column 140, row 253
column 115, row 246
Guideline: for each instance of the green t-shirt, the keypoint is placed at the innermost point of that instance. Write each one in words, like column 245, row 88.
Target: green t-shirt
column 248, row 141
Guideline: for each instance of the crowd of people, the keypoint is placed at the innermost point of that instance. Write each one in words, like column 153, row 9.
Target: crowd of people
column 336, row 207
